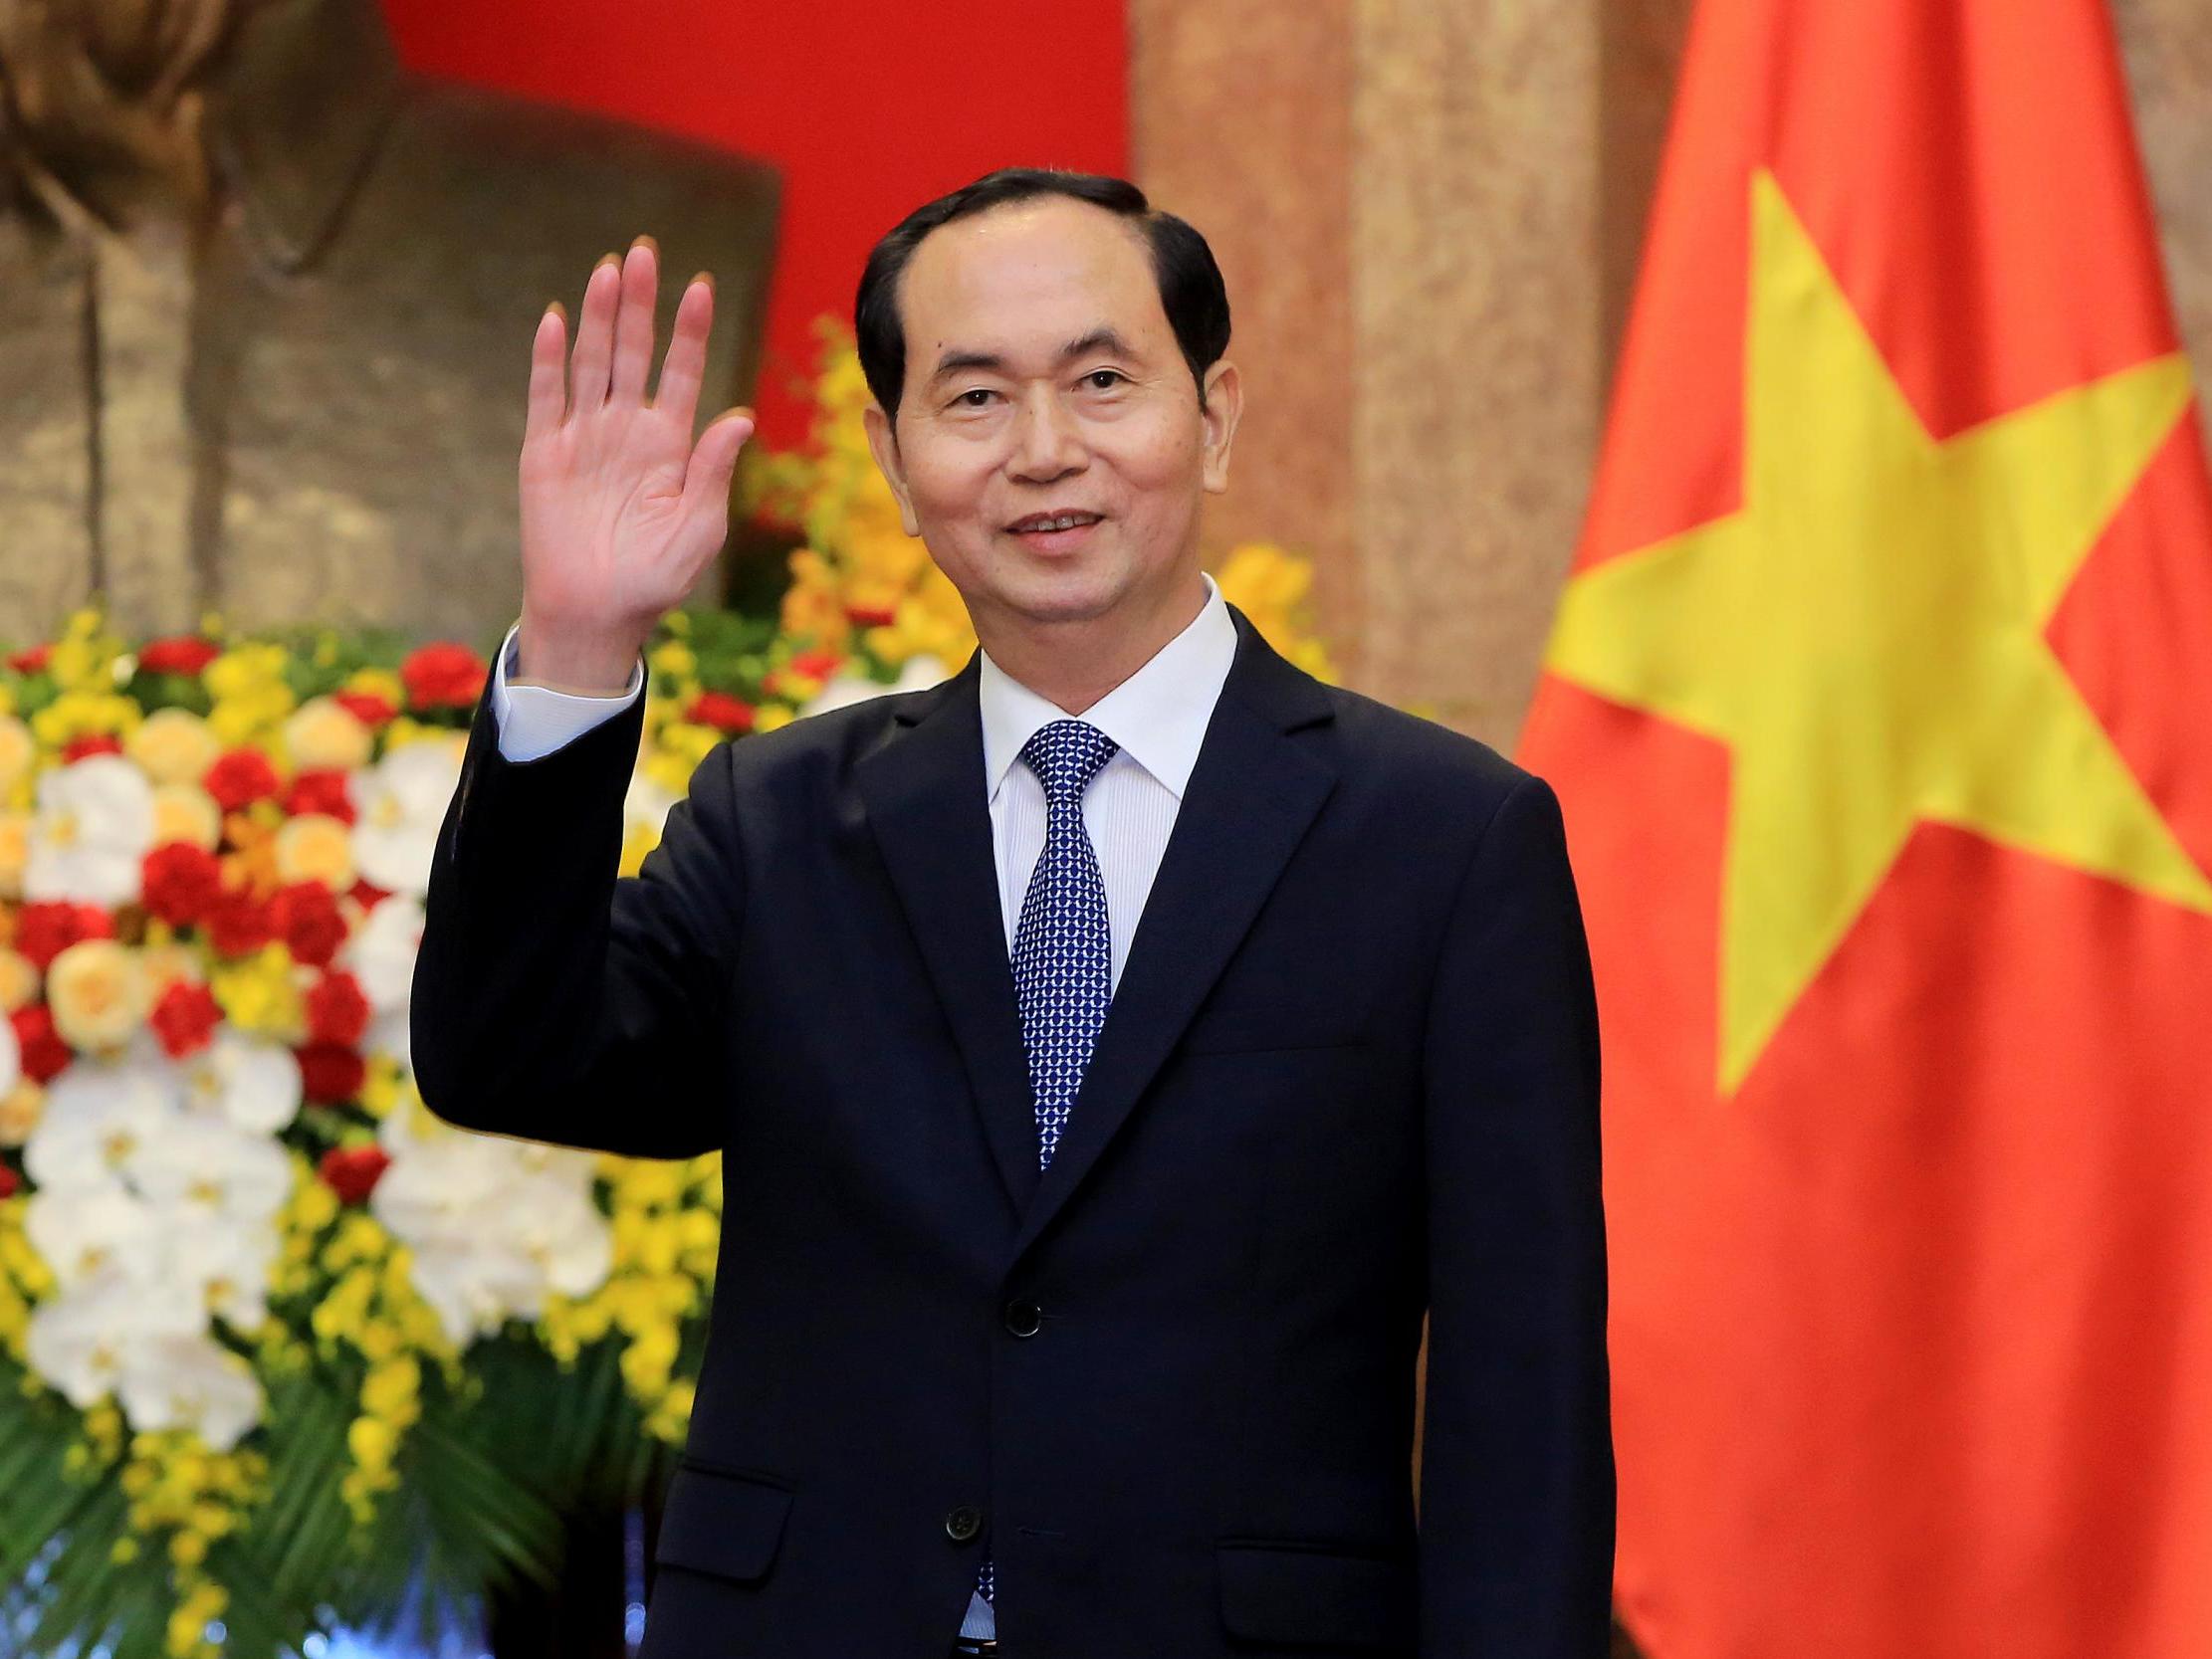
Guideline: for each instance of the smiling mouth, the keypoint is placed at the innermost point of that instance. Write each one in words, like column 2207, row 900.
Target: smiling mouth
column 1037, row 523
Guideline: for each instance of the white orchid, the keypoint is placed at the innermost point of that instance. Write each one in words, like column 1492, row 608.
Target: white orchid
column 155, row 1206
column 847, row 688
column 223, row 1270
column 92, row 829
column 381, row 952
column 495, row 1225
column 391, row 1037
column 248, row 1081
column 202, row 1172
column 402, row 801
column 97, row 1232
column 82, row 1340
column 190, row 1382
column 99, row 1115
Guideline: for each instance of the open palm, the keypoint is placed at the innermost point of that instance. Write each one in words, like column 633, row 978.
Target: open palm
column 620, row 510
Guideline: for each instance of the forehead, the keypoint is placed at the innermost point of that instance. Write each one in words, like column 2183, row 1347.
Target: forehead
column 1025, row 276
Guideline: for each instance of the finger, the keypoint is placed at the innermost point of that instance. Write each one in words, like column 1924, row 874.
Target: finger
column 633, row 323
column 588, row 369
column 714, row 458
column 548, row 399
column 686, row 364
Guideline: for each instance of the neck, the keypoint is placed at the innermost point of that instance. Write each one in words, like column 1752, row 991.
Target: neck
column 1073, row 664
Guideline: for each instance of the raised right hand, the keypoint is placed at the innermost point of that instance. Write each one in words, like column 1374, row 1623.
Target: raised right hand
column 620, row 510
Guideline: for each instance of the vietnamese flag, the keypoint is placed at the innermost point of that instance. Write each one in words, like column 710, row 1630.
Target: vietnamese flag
column 1880, row 700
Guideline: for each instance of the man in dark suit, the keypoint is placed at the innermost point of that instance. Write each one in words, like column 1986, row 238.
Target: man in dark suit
column 1114, row 1049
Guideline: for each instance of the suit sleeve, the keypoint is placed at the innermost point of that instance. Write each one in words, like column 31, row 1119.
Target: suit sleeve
column 551, row 1000
column 1516, row 1467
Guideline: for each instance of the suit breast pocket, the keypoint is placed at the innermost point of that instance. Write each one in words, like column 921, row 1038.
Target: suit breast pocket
column 1240, row 1027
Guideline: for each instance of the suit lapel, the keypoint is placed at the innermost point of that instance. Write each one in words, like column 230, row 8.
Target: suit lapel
column 1251, row 798
column 923, row 793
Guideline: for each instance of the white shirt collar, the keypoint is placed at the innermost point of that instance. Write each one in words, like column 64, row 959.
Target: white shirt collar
column 1158, row 714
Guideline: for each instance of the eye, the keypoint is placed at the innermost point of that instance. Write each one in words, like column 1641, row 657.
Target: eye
column 962, row 401
column 1107, row 375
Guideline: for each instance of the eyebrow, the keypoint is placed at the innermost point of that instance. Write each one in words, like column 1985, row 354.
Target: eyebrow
column 1101, row 338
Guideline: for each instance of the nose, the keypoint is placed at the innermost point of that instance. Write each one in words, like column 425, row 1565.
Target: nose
column 1047, row 443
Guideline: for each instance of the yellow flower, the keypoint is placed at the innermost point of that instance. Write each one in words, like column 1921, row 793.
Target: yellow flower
column 19, row 981
column 378, row 681
column 186, row 812
column 15, row 852
column 17, row 751
column 315, row 847
column 325, row 735
column 174, row 746
column 770, row 715
column 97, row 992
column 204, row 1603
column 673, row 660
column 21, row 1108
column 257, row 993
column 85, row 714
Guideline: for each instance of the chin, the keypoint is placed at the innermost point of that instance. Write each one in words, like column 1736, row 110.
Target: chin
column 1061, row 595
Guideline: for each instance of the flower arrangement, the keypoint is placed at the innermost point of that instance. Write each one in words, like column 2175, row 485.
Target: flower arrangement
column 274, row 1341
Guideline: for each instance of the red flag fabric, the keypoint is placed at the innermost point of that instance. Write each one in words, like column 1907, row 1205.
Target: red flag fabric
column 1876, row 702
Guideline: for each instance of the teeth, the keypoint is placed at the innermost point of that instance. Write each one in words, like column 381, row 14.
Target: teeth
column 1065, row 522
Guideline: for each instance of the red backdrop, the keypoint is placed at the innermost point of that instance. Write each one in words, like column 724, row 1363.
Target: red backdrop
column 870, row 107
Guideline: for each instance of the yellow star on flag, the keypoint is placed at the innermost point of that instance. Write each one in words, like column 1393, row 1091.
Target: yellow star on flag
column 1866, row 634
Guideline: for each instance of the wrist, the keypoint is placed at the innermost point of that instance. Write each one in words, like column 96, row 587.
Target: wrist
column 597, row 663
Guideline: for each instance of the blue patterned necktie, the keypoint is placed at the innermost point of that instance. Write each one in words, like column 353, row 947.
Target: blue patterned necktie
column 1063, row 951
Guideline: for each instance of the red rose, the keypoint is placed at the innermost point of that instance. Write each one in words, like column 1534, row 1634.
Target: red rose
column 331, row 1072
column 721, row 710
column 337, row 1011
column 322, row 790
column 44, row 931
column 443, row 676
column 240, row 777
column 32, row 661
column 238, row 923
column 817, row 665
column 305, row 914
column 44, row 1053
column 367, row 894
column 179, row 654
column 353, row 1171
column 90, row 744
column 366, row 707
column 10, row 1182
column 181, row 882
column 871, row 616
column 184, row 1017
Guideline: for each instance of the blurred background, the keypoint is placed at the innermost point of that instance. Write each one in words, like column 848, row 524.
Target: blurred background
column 1917, row 1372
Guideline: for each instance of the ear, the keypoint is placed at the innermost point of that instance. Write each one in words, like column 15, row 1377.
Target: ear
column 884, row 443
column 1224, row 405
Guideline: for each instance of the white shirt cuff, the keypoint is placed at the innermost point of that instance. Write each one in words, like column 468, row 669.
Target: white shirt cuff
column 534, row 720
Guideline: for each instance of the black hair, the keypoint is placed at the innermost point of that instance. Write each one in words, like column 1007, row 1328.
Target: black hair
column 1190, row 288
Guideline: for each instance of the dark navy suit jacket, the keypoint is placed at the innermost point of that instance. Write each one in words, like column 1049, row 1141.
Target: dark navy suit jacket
column 1348, row 1076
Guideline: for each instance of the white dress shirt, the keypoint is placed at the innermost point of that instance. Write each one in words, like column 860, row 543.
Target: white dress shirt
column 1158, row 716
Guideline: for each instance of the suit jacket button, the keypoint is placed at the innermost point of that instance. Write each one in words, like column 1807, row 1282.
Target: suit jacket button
column 1023, row 1316
column 963, row 1522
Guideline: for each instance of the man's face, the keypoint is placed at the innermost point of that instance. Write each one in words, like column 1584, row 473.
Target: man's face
column 1043, row 378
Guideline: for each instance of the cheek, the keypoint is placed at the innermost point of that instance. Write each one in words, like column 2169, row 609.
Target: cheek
column 947, row 483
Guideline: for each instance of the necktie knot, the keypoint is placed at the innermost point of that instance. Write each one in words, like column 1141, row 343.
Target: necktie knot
column 1067, row 756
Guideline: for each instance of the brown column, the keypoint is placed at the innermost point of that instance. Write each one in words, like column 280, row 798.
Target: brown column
column 1403, row 196
column 1241, row 122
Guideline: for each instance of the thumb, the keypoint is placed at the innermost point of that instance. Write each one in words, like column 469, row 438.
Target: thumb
column 714, row 458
